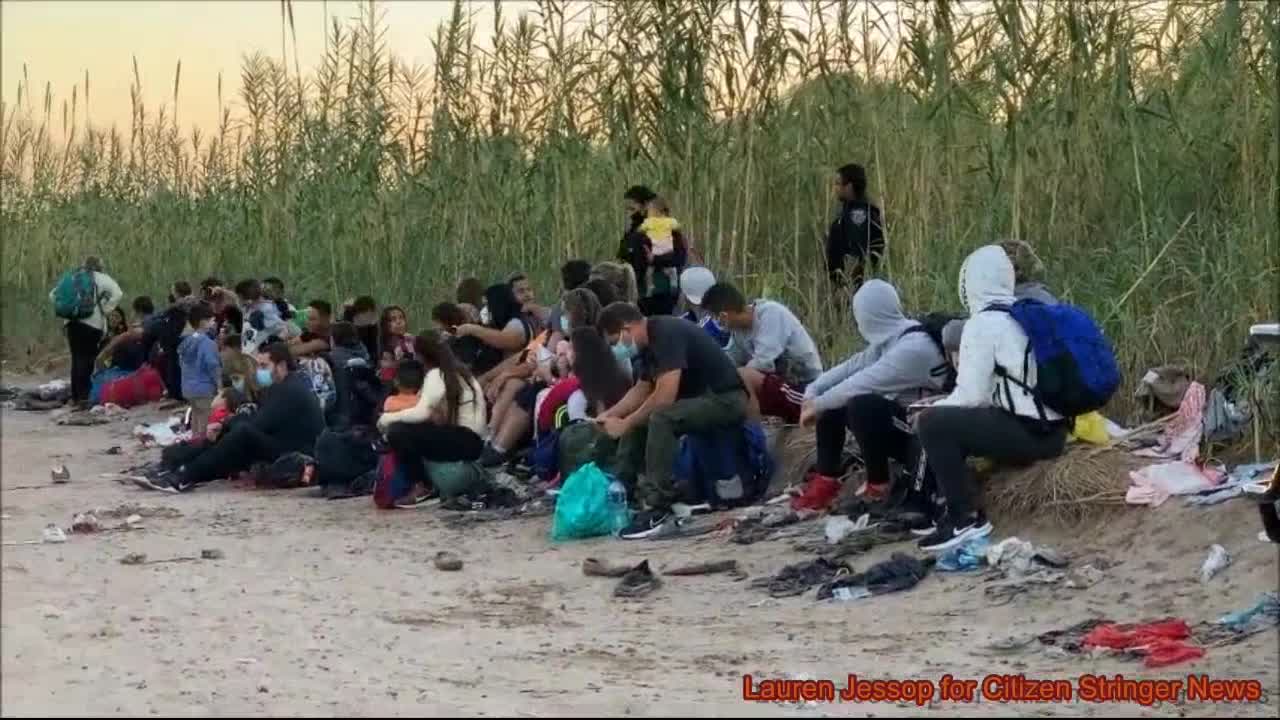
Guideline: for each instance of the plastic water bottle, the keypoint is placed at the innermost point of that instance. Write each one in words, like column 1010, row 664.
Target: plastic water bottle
column 845, row 594
column 1217, row 560
column 619, row 513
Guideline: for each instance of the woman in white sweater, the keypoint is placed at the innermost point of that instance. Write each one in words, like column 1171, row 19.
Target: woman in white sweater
column 986, row 415
column 446, row 423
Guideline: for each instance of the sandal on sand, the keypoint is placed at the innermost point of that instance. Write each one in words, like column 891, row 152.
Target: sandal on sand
column 638, row 582
column 594, row 567
column 704, row 568
column 448, row 561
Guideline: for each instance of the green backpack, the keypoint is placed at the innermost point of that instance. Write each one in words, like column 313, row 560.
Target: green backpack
column 75, row 297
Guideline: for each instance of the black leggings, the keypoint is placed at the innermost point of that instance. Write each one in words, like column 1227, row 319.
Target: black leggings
column 414, row 443
column 83, row 341
column 880, row 427
column 951, row 435
column 236, row 451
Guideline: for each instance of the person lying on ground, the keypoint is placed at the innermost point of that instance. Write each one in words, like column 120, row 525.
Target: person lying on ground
column 687, row 384
column 446, row 423
column 201, row 366
column 573, row 275
column 868, row 394
column 288, row 420
column 314, row 340
column 694, row 284
column 511, row 419
column 358, row 392
column 470, row 298
column 857, row 233
column 533, row 313
column 986, row 415
column 774, row 353
column 84, row 335
column 1027, row 271
column 394, row 341
column 503, row 333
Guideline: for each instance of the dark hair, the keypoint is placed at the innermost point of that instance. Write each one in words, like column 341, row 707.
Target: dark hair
column 855, row 175
column 603, row 381
column 116, row 317
column 322, row 306
column 278, row 352
column 274, row 282
column 616, row 315
column 250, row 290
column 233, row 397
column 198, row 314
column 582, row 307
column 436, row 355
column 344, row 333
column 94, row 263
column 516, row 277
column 470, row 291
column 364, row 304
column 449, row 315
column 210, row 283
column 410, row 374
column 639, row 194
column 603, row 290
column 723, row 297
column 233, row 341
column 143, row 305
column 384, row 321
column 501, row 301
column 182, row 289
column 574, row 274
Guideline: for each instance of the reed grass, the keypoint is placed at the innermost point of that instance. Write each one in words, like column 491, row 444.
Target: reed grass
column 1094, row 130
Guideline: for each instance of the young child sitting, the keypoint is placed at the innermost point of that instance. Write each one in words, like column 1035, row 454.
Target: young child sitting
column 410, row 374
column 659, row 227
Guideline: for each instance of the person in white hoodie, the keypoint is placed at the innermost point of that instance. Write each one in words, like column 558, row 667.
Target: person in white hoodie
column 986, row 415
column 867, row 394
column 84, row 336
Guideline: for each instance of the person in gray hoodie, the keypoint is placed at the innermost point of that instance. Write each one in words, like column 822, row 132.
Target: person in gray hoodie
column 201, row 366
column 867, row 394
column 986, row 415
column 775, row 355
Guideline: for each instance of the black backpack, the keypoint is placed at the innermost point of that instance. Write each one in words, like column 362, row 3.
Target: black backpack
column 932, row 324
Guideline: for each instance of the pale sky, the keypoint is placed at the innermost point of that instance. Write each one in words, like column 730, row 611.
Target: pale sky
column 59, row 40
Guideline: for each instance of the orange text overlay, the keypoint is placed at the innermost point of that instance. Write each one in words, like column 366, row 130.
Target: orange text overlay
column 1004, row 689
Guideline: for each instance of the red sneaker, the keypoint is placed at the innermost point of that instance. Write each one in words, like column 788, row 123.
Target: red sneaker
column 819, row 492
column 874, row 492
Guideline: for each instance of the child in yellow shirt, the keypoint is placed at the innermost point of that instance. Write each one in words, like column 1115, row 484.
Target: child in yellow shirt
column 659, row 227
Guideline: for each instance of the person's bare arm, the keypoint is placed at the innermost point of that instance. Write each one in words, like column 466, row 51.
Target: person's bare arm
column 130, row 335
column 310, row 347
column 630, row 402
column 665, row 391
column 500, row 339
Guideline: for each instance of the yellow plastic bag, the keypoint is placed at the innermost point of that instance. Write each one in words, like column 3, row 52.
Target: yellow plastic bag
column 1091, row 428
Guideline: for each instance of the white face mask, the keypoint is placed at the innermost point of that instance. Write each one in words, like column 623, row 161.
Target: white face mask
column 485, row 317
column 564, row 324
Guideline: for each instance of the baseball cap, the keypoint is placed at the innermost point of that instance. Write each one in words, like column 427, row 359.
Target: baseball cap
column 695, row 282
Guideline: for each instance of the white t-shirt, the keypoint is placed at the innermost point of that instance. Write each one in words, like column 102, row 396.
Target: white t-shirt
column 472, row 413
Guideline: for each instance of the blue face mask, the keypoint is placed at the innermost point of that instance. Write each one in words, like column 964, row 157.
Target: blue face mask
column 564, row 324
column 264, row 378
column 624, row 352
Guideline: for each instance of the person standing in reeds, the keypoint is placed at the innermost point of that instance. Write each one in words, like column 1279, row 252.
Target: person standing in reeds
column 83, row 298
column 637, row 251
column 857, row 232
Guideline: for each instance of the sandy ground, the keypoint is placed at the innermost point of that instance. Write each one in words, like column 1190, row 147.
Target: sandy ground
column 327, row 608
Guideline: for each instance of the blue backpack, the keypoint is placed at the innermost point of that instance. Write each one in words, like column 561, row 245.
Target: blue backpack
column 75, row 297
column 1076, row 368
column 727, row 468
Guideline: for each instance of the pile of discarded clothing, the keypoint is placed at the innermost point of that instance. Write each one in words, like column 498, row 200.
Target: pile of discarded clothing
column 47, row 396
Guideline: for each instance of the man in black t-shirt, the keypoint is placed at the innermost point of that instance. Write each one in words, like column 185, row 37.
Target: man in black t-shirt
column 686, row 384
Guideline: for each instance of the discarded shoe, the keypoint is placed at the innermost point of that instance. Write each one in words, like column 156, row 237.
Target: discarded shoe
column 59, row 474
column 704, row 568
column 594, row 567
column 447, row 561
column 638, row 582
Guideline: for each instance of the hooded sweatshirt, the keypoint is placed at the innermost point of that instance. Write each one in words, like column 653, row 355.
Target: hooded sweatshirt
column 777, row 343
column 898, row 364
column 201, row 365
column 992, row 338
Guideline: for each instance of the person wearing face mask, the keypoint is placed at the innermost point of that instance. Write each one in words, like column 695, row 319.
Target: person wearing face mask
column 694, row 284
column 868, row 396
column 201, row 366
column 573, row 275
column 288, row 420
column 687, row 384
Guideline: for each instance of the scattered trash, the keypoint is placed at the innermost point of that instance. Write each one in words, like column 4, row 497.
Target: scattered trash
column 1161, row 643
column 211, row 554
column 1265, row 613
column 108, row 410
column 850, row 593
column 1083, row 577
column 899, row 572
column 705, row 568
column 133, row 521
column 113, row 450
column 797, row 578
column 53, row 534
column 969, row 555
column 85, row 523
column 593, row 567
column 638, row 582
column 1217, row 560
column 60, row 475
column 683, row 510
column 1152, row 485
column 246, row 661
column 134, row 559
column 837, row 528
column 82, row 418
column 447, row 561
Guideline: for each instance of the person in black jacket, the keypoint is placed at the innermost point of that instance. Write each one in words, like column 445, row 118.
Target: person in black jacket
column 857, row 231
column 636, row 251
column 289, row 419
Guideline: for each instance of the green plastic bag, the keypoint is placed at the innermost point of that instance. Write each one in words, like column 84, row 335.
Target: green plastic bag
column 582, row 508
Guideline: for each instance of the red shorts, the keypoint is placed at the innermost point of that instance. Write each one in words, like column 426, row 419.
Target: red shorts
column 780, row 400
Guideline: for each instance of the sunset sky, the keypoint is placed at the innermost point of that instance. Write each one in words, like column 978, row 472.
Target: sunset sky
column 59, row 40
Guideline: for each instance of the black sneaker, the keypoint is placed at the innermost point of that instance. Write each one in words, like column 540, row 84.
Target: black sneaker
column 947, row 535
column 490, row 458
column 638, row 582
column 647, row 524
